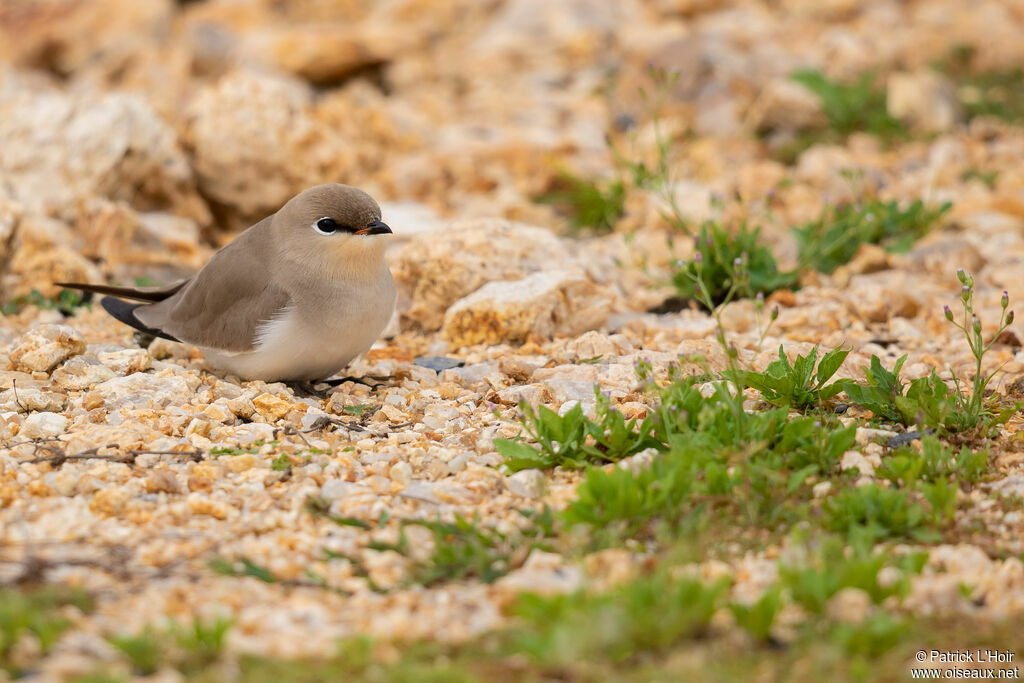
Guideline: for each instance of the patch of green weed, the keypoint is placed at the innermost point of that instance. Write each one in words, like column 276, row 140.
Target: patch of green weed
column 834, row 237
column 35, row 613
column 854, row 107
column 801, row 385
column 573, row 440
column 591, row 205
column 727, row 261
column 67, row 302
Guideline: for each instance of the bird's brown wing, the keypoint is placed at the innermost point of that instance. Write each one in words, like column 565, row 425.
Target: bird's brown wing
column 224, row 304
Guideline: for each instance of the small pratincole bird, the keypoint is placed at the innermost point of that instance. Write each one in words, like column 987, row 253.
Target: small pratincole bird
column 295, row 297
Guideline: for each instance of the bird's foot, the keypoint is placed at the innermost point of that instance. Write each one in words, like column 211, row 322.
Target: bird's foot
column 308, row 390
column 372, row 381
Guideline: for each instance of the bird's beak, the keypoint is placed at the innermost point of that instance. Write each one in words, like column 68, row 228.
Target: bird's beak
column 375, row 228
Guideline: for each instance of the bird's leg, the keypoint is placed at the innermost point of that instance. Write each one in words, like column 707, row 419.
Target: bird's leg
column 372, row 381
column 306, row 390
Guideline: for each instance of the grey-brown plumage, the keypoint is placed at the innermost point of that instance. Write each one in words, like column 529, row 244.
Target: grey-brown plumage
column 294, row 297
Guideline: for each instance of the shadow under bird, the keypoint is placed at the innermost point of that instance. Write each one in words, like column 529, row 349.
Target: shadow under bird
column 295, row 297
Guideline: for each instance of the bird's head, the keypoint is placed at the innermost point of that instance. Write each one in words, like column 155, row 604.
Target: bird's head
column 332, row 227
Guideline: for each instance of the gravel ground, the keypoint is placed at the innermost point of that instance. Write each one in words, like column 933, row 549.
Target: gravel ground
column 134, row 147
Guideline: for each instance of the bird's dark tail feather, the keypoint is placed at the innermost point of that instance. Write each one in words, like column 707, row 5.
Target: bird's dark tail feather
column 125, row 312
column 151, row 294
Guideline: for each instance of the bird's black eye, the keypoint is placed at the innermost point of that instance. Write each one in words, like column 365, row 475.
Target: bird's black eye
column 326, row 226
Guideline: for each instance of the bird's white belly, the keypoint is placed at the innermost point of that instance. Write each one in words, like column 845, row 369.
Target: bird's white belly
column 293, row 347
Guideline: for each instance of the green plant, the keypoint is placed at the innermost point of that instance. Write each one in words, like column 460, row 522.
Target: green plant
column 359, row 410
column 876, row 635
column 573, row 440
column 243, row 566
column 622, row 503
column 729, row 264
column 874, row 512
column 591, row 205
column 974, row 410
column 758, row 617
column 987, row 178
column 647, row 615
column 879, row 391
column 907, row 467
column 463, row 548
column 796, row 385
column 852, row 107
column 35, row 612
column 835, row 236
column 188, row 648
column 145, row 650
column 831, row 565
column 985, row 93
column 67, row 302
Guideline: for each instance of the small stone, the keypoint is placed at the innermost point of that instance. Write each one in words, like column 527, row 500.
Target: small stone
column 850, row 605
column 856, row 460
column 401, row 473
column 143, row 391
column 271, row 407
column 253, row 431
column 639, row 461
column 29, row 400
column 162, row 481
column 334, row 489
column 925, row 100
column 241, row 407
column 43, row 425
column 218, row 411
column 458, row 463
column 126, row 361
column 239, row 463
column 591, row 345
column 80, row 373
column 109, row 501
column 46, row 347
column 527, row 483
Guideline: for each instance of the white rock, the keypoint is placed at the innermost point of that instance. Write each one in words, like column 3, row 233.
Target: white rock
column 591, row 345
column 639, row 461
column 544, row 573
column 400, row 472
column 534, row 308
column 434, row 270
column 53, row 156
column 855, row 460
column 926, row 100
column 850, row 605
column 81, row 372
column 527, row 483
column 334, row 489
column 126, row 361
column 29, row 400
column 43, row 425
column 253, row 431
column 143, row 391
column 46, row 347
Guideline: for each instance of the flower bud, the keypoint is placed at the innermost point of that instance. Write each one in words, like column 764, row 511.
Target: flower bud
column 1005, row 301
column 1009, row 318
column 775, row 313
column 961, row 275
column 737, row 262
column 948, row 313
column 698, row 257
column 977, row 324
column 965, row 293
